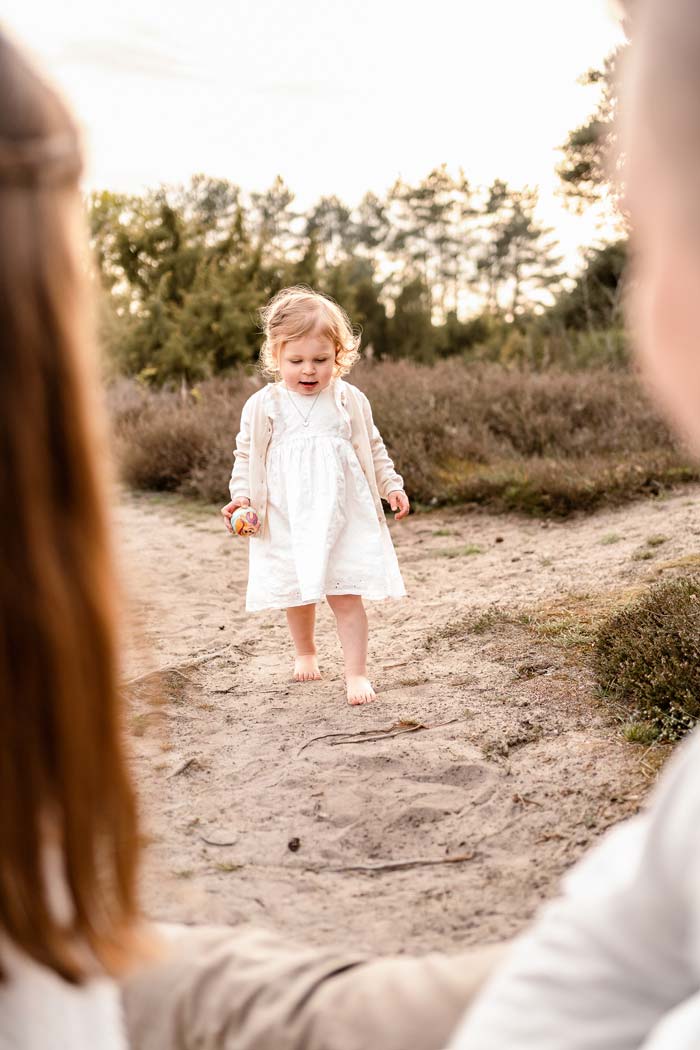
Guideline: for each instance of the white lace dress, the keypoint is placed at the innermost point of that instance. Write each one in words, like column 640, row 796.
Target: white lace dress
column 323, row 535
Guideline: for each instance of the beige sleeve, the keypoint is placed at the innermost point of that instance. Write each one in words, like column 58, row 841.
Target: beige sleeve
column 387, row 478
column 239, row 485
column 222, row 988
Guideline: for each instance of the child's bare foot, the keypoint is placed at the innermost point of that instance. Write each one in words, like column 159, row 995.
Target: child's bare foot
column 360, row 690
column 306, row 668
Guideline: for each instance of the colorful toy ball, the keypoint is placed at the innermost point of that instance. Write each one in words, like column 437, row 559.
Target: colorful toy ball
column 245, row 521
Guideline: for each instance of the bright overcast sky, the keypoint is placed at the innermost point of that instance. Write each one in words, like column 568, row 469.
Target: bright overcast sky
column 337, row 97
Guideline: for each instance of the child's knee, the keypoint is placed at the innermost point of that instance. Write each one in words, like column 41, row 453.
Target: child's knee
column 346, row 605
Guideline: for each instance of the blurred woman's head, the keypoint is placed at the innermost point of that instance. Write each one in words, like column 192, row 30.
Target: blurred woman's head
column 67, row 825
column 660, row 140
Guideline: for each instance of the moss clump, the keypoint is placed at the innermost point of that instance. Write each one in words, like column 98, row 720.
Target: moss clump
column 647, row 658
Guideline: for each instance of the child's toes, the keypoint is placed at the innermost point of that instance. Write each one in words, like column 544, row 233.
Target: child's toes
column 360, row 690
column 306, row 668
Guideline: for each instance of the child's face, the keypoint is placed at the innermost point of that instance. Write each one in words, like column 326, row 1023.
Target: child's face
column 306, row 364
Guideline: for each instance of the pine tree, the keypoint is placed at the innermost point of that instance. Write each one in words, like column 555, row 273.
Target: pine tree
column 589, row 149
column 518, row 259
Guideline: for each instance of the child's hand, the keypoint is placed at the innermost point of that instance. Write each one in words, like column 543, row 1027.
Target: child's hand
column 229, row 510
column 398, row 501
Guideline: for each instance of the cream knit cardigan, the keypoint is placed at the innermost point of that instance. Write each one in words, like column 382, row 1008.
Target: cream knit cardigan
column 249, row 476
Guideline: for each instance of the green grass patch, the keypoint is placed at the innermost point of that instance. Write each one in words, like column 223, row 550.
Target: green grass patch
column 641, row 733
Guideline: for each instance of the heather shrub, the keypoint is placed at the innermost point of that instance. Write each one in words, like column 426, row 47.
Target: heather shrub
column 543, row 443
column 647, row 659
column 560, row 486
column 539, row 442
column 179, row 440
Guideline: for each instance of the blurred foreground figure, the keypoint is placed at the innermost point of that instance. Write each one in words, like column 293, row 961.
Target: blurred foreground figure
column 68, row 840
column 614, row 964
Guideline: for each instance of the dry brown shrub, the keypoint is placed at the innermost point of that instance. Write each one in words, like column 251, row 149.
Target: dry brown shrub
column 536, row 442
column 179, row 440
column 539, row 442
column 647, row 659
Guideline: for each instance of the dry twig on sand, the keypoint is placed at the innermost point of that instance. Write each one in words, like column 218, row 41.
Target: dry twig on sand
column 185, row 766
column 401, row 865
column 367, row 736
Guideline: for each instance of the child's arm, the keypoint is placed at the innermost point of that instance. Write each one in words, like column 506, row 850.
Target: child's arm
column 239, row 484
column 389, row 483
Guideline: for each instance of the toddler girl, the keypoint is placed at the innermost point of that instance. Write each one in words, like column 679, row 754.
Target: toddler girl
column 312, row 463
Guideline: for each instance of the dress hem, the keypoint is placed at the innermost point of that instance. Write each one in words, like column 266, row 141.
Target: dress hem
column 314, row 601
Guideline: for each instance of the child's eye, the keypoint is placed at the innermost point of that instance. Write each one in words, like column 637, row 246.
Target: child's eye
column 320, row 360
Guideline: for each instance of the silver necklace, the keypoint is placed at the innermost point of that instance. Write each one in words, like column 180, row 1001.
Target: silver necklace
column 304, row 418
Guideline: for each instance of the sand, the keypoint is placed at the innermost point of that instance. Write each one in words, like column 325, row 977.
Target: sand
column 262, row 801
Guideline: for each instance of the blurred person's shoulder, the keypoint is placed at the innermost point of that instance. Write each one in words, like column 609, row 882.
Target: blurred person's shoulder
column 672, row 817
column 677, row 794
column 662, row 840
column 34, row 1001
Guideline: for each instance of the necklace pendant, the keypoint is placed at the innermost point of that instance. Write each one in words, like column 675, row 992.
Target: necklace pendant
column 304, row 418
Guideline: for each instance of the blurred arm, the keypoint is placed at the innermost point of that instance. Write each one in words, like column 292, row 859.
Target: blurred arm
column 249, row 989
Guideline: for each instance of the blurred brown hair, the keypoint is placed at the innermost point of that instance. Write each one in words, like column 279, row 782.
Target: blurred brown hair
column 64, row 785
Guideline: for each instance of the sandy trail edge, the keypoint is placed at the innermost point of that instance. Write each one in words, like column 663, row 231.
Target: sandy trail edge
column 529, row 774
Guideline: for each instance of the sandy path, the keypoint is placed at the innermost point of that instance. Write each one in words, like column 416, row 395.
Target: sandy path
column 527, row 772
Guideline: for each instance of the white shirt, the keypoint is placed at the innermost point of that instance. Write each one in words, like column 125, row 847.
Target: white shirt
column 614, row 963
column 39, row 1011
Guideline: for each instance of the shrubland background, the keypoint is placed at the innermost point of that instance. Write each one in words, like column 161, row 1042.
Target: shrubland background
column 495, row 377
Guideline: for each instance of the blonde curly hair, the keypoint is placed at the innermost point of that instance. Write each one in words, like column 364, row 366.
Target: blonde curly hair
column 298, row 311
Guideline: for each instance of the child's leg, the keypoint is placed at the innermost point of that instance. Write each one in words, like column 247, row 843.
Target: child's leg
column 302, row 623
column 351, row 619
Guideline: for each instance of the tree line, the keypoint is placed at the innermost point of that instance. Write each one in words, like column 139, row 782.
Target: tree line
column 430, row 269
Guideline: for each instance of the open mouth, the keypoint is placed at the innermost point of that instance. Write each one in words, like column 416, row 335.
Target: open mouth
column 309, row 384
